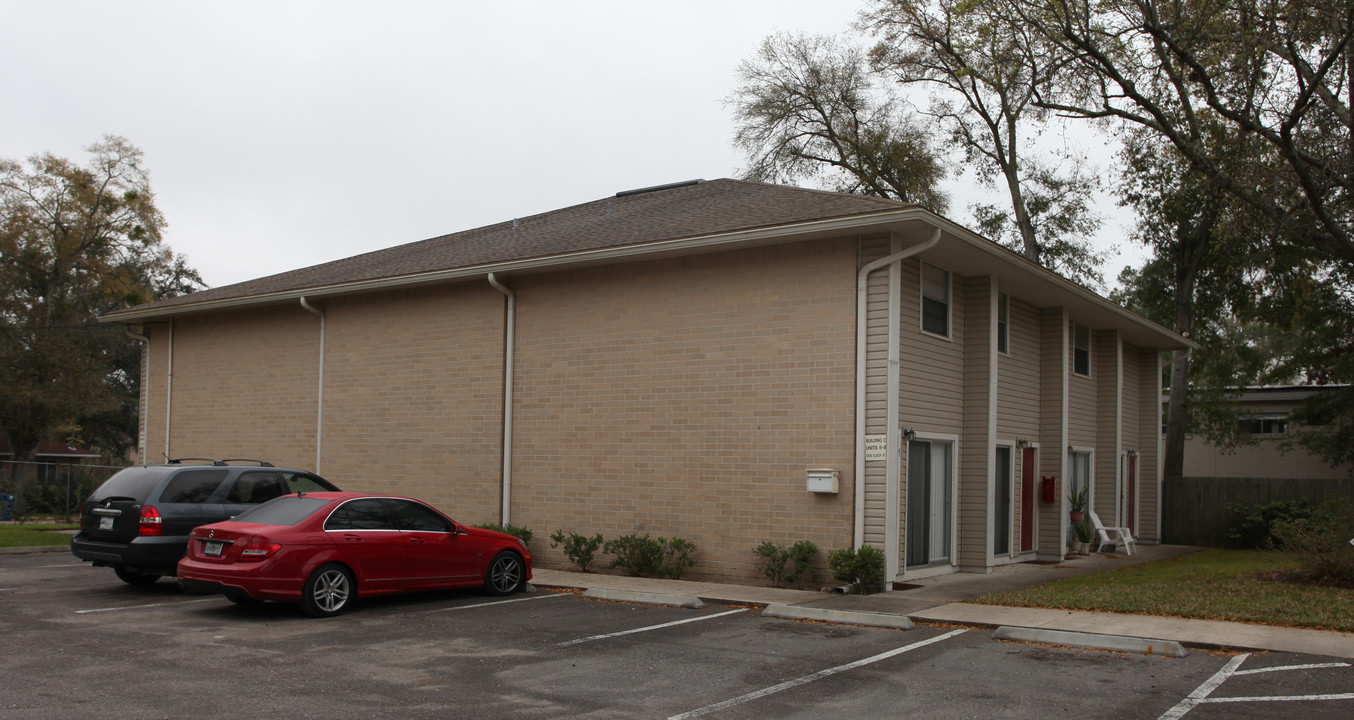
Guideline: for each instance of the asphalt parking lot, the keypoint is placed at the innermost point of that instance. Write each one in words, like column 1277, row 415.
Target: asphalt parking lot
column 78, row 642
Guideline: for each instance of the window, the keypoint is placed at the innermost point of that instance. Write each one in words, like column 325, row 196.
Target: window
column 360, row 515
column 1003, row 323
column 193, row 486
column 1081, row 350
column 1265, row 425
column 256, row 487
column 1001, row 530
column 935, row 300
column 930, row 505
column 419, row 518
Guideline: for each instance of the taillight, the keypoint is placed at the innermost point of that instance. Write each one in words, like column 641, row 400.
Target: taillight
column 149, row 523
column 259, row 549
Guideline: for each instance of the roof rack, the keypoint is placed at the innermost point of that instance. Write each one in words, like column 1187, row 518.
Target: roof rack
column 260, row 463
column 180, row 461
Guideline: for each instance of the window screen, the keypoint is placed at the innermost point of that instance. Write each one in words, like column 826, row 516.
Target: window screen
column 935, row 300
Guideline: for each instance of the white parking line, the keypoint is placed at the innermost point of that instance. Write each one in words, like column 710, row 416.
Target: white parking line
column 73, row 564
column 149, row 605
column 495, row 602
column 810, row 678
column 651, row 627
column 1201, row 694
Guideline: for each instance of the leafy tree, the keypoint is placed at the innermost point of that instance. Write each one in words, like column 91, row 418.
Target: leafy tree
column 76, row 242
column 1273, row 72
column 984, row 73
column 806, row 110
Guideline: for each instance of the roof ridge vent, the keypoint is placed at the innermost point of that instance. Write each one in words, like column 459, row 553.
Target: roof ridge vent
column 656, row 188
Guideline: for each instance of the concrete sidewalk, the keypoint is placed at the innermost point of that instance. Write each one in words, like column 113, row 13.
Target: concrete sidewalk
column 941, row 600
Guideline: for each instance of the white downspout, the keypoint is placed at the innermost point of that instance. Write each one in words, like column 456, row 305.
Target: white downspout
column 861, row 285
column 319, row 419
column 169, row 387
column 510, row 344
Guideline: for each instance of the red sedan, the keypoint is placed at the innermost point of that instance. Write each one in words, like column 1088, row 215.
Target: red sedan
column 326, row 549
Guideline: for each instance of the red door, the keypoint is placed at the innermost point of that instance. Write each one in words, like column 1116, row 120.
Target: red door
column 1027, row 500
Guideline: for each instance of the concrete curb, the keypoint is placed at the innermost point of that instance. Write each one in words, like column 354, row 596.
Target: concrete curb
column 1093, row 641
column 684, row 601
column 845, row 617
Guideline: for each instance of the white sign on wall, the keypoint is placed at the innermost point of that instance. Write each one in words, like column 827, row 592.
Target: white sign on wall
column 876, row 447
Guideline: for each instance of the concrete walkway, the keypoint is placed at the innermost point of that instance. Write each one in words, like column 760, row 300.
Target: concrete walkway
column 941, row 600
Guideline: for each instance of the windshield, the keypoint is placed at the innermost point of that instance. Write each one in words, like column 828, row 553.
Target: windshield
column 287, row 510
column 133, row 483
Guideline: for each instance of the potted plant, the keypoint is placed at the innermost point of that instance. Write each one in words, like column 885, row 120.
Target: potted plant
column 1077, row 501
column 1085, row 531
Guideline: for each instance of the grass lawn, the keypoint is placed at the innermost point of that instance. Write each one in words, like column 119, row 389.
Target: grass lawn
column 34, row 535
column 1237, row 585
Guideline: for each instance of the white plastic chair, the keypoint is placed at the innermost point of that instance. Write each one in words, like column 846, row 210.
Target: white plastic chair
column 1103, row 534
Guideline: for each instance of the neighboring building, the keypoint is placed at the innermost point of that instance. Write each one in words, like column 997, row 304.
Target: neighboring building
column 688, row 360
column 1265, row 412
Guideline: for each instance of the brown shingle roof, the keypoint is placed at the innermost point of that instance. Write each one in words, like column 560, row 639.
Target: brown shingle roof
column 694, row 210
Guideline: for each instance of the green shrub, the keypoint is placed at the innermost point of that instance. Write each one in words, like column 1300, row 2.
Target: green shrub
column 521, row 533
column 1323, row 541
column 863, row 568
column 677, row 557
column 638, row 555
column 1255, row 530
column 635, row 555
column 578, row 548
column 786, row 565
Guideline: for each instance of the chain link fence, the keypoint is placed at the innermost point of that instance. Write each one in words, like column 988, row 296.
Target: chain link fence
column 48, row 489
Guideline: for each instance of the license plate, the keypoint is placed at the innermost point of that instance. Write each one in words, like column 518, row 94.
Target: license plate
column 213, row 549
column 105, row 523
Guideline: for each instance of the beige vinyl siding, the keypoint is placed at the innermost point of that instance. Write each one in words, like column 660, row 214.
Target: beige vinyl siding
column 1018, row 375
column 1055, row 366
column 1082, row 416
column 932, row 367
column 876, row 384
column 1105, row 355
column 977, row 446
column 1149, row 410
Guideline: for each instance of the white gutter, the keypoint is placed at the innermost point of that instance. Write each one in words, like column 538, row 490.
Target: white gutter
column 169, row 387
column 319, row 419
column 509, row 345
column 862, row 280
column 141, row 408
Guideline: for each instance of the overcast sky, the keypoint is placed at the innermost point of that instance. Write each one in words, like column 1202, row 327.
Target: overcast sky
column 284, row 134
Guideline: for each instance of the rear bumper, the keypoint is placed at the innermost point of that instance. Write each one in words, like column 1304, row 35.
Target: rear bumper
column 202, row 578
column 153, row 554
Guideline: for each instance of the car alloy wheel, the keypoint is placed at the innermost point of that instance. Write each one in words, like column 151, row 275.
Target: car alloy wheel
column 327, row 591
column 505, row 575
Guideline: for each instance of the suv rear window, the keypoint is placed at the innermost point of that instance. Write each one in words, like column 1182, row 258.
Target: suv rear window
column 193, row 486
column 133, row 483
column 282, row 511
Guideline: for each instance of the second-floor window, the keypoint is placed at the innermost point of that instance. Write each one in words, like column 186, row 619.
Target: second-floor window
column 935, row 300
column 1003, row 323
column 1081, row 350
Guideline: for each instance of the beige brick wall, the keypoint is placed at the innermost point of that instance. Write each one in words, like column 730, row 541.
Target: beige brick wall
column 687, row 397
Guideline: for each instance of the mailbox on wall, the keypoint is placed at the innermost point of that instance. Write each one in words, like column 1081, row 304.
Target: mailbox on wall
column 1048, row 489
column 823, row 480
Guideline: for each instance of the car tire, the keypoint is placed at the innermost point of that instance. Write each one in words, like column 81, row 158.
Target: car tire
column 132, row 577
column 328, row 591
column 506, row 574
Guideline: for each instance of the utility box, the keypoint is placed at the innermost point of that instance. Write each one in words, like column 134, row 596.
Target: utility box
column 823, row 480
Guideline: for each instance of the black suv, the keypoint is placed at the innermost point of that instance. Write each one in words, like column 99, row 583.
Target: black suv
column 139, row 520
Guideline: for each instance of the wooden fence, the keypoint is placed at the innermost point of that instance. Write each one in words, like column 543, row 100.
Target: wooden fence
column 1195, row 509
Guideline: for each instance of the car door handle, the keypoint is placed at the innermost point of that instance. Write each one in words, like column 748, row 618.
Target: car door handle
column 353, row 538
column 415, row 540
